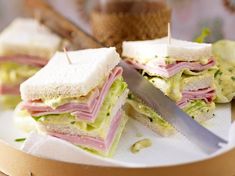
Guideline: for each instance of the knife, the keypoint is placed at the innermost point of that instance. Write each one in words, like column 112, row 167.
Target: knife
column 168, row 110
column 152, row 96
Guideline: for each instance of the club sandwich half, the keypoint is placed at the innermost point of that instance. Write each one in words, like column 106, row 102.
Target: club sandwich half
column 25, row 47
column 80, row 102
column 182, row 70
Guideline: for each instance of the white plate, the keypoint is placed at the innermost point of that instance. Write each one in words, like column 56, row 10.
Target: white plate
column 164, row 151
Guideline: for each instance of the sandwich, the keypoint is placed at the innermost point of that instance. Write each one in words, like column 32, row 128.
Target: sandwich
column 182, row 70
column 224, row 52
column 79, row 102
column 25, row 47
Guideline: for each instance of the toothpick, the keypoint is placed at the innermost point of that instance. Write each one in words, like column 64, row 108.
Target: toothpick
column 67, row 56
column 169, row 33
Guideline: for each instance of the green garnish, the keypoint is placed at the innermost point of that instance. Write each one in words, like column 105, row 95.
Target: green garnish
column 230, row 70
column 20, row 139
column 233, row 78
column 37, row 118
column 218, row 72
column 144, row 143
column 73, row 122
column 130, row 96
column 150, row 119
column 204, row 34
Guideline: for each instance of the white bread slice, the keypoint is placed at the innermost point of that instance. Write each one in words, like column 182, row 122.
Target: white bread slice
column 194, row 83
column 26, row 36
column 174, row 88
column 157, row 128
column 143, row 51
column 60, row 79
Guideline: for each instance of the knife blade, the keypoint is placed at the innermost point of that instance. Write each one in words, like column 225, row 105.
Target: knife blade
column 168, row 110
column 152, row 96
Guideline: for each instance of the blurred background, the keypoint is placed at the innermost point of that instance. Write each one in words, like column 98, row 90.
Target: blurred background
column 188, row 18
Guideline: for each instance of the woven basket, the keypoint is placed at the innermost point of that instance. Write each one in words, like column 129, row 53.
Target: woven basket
column 112, row 28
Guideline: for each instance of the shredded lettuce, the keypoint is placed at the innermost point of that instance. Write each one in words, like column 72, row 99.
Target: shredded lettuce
column 197, row 107
column 116, row 140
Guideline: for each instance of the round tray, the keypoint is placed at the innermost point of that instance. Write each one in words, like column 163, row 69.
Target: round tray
column 14, row 162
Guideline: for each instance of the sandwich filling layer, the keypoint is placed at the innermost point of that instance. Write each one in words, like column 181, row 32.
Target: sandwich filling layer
column 84, row 109
column 156, row 68
column 25, row 47
column 13, row 72
column 68, row 123
column 98, row 144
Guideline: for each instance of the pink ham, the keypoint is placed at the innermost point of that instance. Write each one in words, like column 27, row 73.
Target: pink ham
column 39, row 108
column 171, row 69
column 204, row 94
column 9, row 90
column 87, row 111
column 83, row 115
column 25, row 60
column 98, row 144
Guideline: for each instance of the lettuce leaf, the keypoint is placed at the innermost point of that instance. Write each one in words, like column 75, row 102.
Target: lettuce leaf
column 224, row 52
column 197, row 107
column 116, row 140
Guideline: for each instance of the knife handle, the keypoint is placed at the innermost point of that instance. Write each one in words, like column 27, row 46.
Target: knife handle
column 60, row 25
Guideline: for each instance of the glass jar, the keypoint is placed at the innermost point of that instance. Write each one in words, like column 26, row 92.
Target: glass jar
column 115, row 21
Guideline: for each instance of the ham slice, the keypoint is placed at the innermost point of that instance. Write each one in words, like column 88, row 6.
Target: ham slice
column 84, row 111
column 98, row 144
column 206, row 94
column 25, row 60
column 167, row 71
column 9, row 90
column 38, row 108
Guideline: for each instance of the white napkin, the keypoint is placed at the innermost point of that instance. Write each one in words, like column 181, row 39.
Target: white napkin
column 53, row 148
